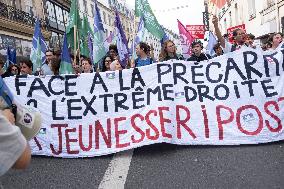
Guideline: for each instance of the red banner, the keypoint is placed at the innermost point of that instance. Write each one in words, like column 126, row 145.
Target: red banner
column 197, row 31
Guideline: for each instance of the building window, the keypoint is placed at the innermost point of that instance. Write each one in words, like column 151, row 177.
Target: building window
column 269, row 3
column 28, row 6
column 225, row 24
column 282, row 24
column 85, row 7
column 251, row 9
column 92, row 10
column 59, row 16
column 104, row 17
column 230, row 17
column 65, row 17
column 109, row 20
column 106, row 33
column 236, row 14
column 51, row 14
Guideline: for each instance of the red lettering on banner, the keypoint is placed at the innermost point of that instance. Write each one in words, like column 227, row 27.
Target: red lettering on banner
column 222, row 122
column 280, row 99
column 107, row 137
column 183, row 122
column 69, row 140
column 260, row 122
column 90, row 138
column 119, row 132
column 136, row 128
column 59, row 127
column 164, row 120
column 275, row 117
column 205, row 120
column 147, row 118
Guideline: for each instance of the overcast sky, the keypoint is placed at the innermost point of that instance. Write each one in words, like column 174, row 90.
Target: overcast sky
column 167, row 13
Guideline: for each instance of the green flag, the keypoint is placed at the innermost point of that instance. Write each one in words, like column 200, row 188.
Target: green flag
column 74, row 22
column 142, row 8
column 86, row 29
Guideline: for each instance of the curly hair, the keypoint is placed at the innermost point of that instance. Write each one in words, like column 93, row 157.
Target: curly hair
column 164, row 52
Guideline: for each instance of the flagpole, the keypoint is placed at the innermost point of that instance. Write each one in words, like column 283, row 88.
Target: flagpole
column 79, row 56
column 75, row 48
column 133, row 43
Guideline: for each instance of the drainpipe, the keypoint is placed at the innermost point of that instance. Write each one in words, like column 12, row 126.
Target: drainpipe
column 277, row 16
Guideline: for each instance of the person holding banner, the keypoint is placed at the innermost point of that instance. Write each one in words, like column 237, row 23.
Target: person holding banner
column 115, row 65
column 106, row 63
column 14, row 149
column 239, row 36
column 168, row 52
column 87, row 66
column 142, row 51
column 197, row 55
column 250, row 40
column 26, row 66
column 275, row 39
column 18, row 124
column 13, row 69
column 218, row 50
column 46, row 66
column 113, row 52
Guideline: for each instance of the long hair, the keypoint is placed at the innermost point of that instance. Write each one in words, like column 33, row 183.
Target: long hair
column 164, row 53
column 103, row 63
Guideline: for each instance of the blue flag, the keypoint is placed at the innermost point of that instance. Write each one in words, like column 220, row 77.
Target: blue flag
column 139, row 37
column 165, row 38
column 66, row 64
column 121, row 41
column 141, row 31
column 38, row 48
column 211, row 43
column 98, row 43
column 11, row 57
column 5, row 93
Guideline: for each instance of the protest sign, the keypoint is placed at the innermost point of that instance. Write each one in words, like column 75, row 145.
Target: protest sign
column 197, row 31
column 233, row 99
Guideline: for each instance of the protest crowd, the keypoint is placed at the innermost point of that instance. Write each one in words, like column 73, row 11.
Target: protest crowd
column 54, row 61
column 145, row 56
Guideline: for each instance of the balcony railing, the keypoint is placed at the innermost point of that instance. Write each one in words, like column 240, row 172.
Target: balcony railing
column 17, row 15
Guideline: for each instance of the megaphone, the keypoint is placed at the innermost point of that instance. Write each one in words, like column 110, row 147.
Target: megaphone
column 27, row 118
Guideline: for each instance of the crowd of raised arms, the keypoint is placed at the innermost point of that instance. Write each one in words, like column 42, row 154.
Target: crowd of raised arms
column 145, row 55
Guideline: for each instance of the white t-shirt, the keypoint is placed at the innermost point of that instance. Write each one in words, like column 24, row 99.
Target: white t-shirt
column 12, row 144
column 228, row 47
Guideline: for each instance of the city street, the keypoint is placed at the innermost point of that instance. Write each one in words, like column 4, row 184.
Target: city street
column 160, row 166
column 179, row 94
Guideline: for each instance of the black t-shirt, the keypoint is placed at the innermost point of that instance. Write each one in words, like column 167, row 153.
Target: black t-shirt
column 199, row 58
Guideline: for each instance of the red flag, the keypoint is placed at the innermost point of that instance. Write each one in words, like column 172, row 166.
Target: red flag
column 186, row 39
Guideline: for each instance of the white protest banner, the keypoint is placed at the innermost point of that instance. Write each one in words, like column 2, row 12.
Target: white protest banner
column 233, row 99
